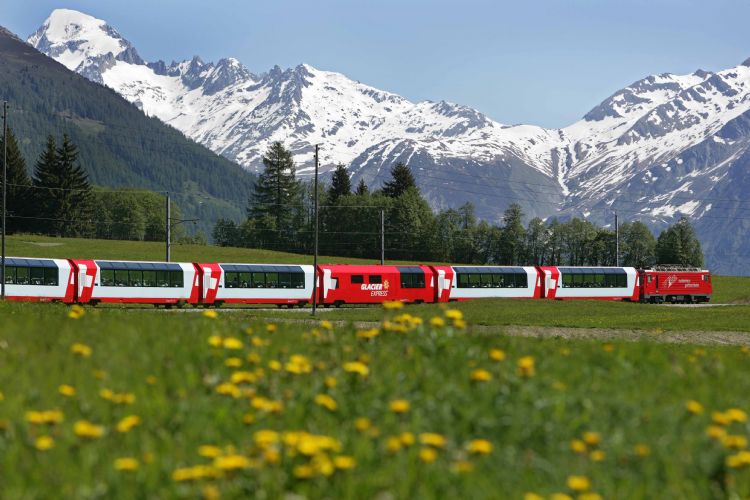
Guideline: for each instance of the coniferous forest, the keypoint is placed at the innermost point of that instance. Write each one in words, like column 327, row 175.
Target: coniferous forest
column 280, row 216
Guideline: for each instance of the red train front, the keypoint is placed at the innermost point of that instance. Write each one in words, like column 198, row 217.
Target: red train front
column 352, row 284
column 676, row 284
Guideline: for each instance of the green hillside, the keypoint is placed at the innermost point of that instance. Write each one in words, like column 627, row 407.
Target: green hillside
column 119, row 146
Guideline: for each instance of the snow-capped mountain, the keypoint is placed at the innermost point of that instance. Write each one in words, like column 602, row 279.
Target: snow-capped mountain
column 661, row 147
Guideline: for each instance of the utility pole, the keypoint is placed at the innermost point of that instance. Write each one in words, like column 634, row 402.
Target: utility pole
column 168, row 226
column 617, row 241
column 315, row 250
column 382, row 237
column 5, row 191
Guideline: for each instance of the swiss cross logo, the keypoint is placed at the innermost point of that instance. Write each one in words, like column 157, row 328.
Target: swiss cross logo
column 671, row 280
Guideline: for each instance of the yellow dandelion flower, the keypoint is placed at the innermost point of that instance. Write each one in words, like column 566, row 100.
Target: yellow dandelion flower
column 357, row 367
column 253, row 357
column 67, row 390
column 736, row 415
column 407, row 438
column 437, row 322
column 331, row 382
column 76, row 312
column 229, row 389
column 151, row 380
column 210, row 492
column 392, row 304
column 368, row 334
column 44, row 443
column 243, row 377
column 462, row 467
column 642, row 450
column 126, row 464
column 579, row 483
column 44, row 417
column 721, row 418
column 399, row 406
column 271, row 456
column 589, row 495
column 128, row 423
column 87, row 430
column 738, row 460
column 326, row 402
column 323, row 465
column 479, row 447
column 497, row 354
column 597, row 456
column 481, row 375
column 232, row 343
column 393, row 444
column 81, row 350
column 248, row 419
column 427, row 455
column 233, row 362
column 214, row 341
column 274, row 365
column 210, row 314
column 362, row 424
column 716, row 432
column 592, row 438
column 432, row 439
column 271, row 328
column 578, row 446
column 265, row 438
column 608, row 348
column 735, row 442
column 560, row 496
column 303, row 472
column 694, row 407
column 459, row 323
column 344, row 462
column 232, row 462
column 454, row 314
column 209, row 451
column 326, row 325
column 525, row 367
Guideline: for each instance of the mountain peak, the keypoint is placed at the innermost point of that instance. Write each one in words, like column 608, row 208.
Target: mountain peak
column 747, row 62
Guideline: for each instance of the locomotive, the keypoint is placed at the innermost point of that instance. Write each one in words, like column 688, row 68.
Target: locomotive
column 213, row 284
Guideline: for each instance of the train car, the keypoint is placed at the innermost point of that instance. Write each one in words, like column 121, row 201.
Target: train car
column 39, row 280
column 605, row 283
column 355, row 284
column 158, row 283
column 256, row 284
column 675, row 284
column 474, row 282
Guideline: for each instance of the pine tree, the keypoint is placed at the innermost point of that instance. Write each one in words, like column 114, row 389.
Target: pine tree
column 275, row 203
column 401, row 180
column 64, row 193
column 18, row 191
column 678, row 244
column 512, row 237
column 341, row 184
column 362, row 188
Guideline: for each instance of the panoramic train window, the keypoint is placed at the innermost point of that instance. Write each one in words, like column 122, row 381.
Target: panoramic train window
column 30, row 272
column 411, row 277
column 491, row 277
column 259, row 276
column 140, row 274
column 593, row 277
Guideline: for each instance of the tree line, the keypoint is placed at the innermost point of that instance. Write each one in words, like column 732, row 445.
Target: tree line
column 280, row 217
column 58, row 199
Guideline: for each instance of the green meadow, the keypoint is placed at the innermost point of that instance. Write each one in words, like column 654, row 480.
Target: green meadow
column 133, row 403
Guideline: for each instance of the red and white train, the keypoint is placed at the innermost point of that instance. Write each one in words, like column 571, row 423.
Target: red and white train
column 214, row 284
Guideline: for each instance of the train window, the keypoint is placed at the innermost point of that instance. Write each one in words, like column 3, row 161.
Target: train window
column 37, row 275
column 405, row 280
column 135, row 278
column 475, row 281
column 175, row 279
column 162, row 279
column 259, row 280
column 375, row 278
column 622, row 280
column 232, row 280
column 50, row 276
column 285, row 280
column 149, row 278
column 121, row 277
column 357, row 279
column 463, row 281
column 22, row 276
column 10, row 275
column 272, row 280
column 417, row 280
column 107, row 277
column 522, row 280
column 298, row 280
column 245, row 280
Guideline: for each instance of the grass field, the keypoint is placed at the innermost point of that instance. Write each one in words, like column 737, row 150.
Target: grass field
column 282, row 412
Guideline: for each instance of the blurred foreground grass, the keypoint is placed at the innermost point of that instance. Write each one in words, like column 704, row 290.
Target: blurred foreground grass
column 143, row 404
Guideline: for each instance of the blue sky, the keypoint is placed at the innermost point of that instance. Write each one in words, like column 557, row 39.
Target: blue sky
column 545, row 62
